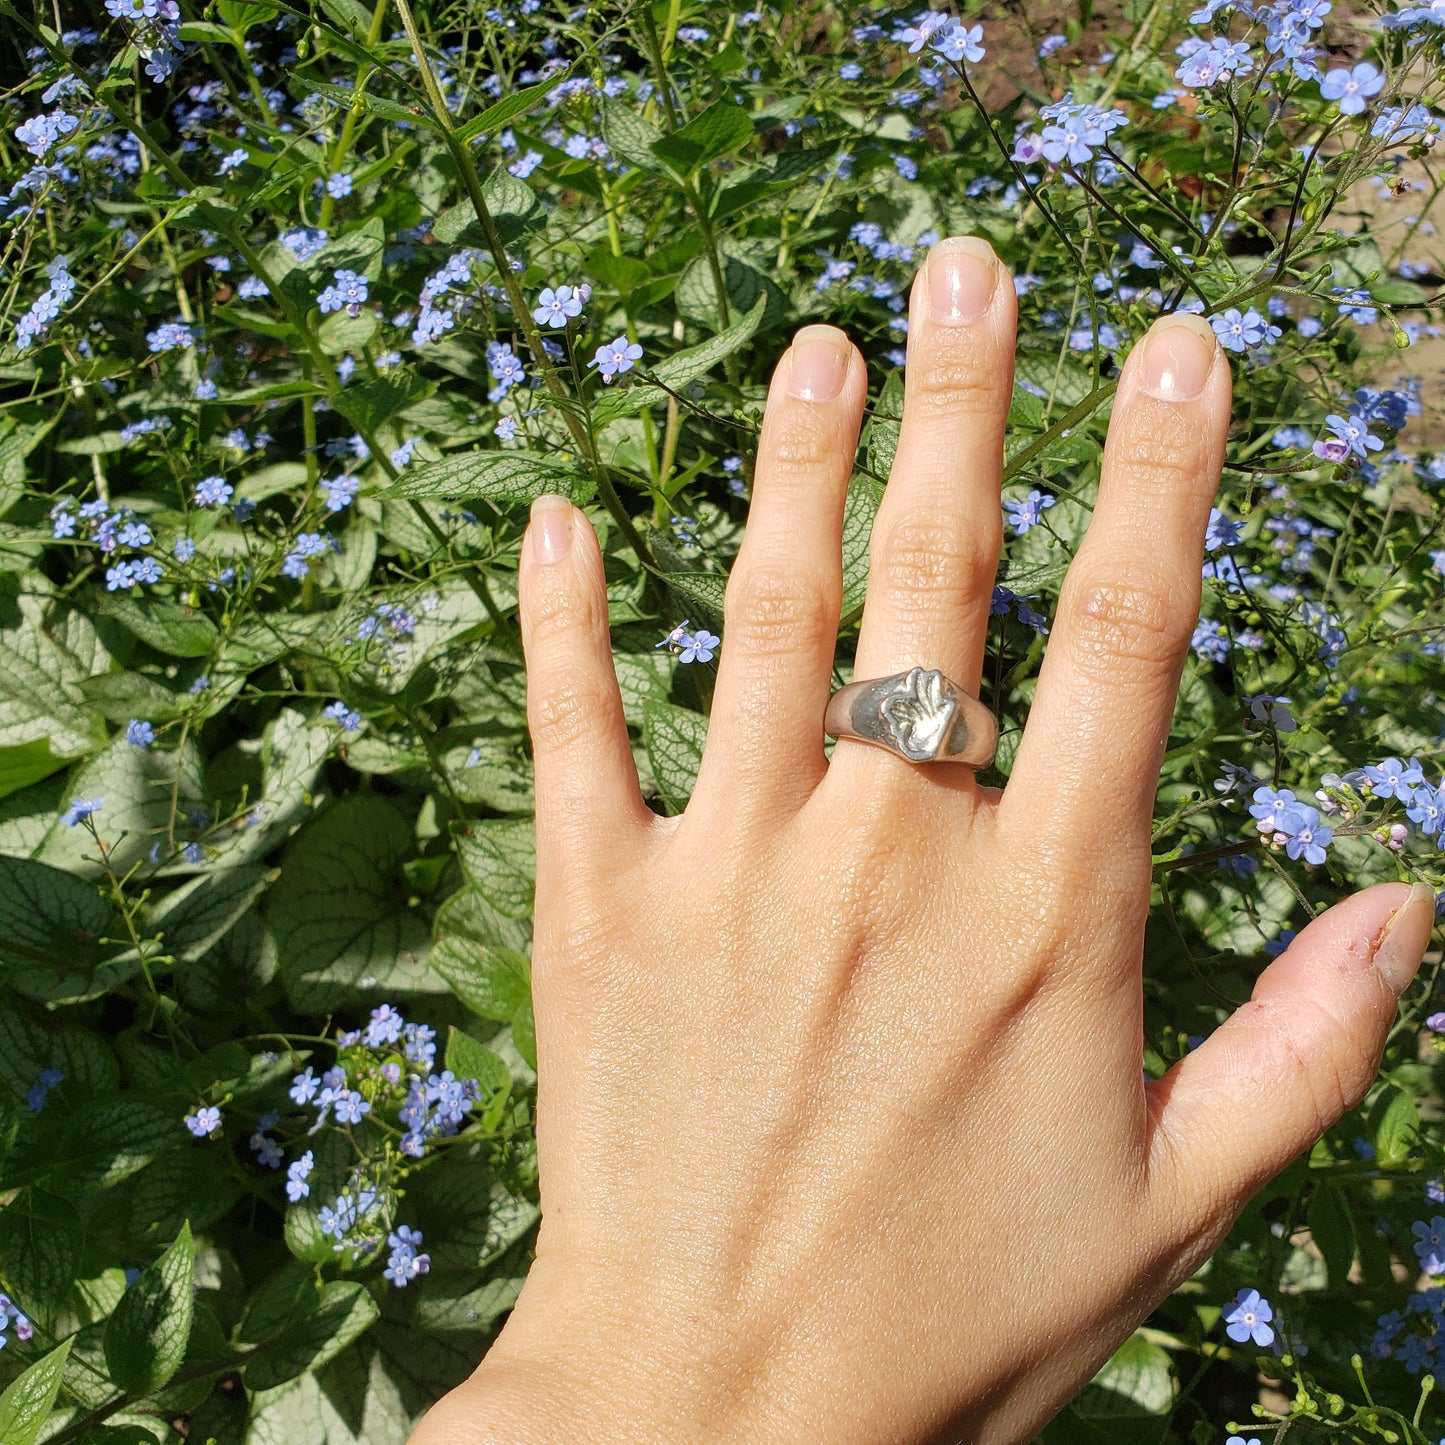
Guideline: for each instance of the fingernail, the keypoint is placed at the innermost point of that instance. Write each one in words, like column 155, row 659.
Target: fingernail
column 1402, row 945
column 551, row 520
column 962, row 271
column 820, row 363
column 1178, row 355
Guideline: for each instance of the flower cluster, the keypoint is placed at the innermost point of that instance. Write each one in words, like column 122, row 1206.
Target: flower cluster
column 155, row 27
column 1287, row 823
column 12, row 1318
column 1072, row 132
column 46, row 307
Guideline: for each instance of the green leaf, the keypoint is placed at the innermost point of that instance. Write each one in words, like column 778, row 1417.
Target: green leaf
column 338, row 914
column 40, row 1243
column 469, row 1059
column 630, row 136
column 702, row 591
column 341, row 333
column 674, row 739
column 493, row 982
column 9, row 1121
column 508, row 108
column 145, row 1339
column 370, row 104
column 166, row 626
column 47, row 916
column 120, row 696
column 25, row 764
column 511, row 202
column 499, row 856
column 339, row 1313
column 138, row 785
column 241, row 15
column 510, row 478
column 743, row 283
column 42, row 663
column 860, row 507
column 111, row 1139
column 1136, row 1382
column 25, row 1405
column 524, row 1033
column 1393, row 1126
column 1333, row 1230
column 202, row 911
column 880, row 441
column 681, row 368
column 723, row 127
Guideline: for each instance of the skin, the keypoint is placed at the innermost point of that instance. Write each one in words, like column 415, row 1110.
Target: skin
column 842, row 1128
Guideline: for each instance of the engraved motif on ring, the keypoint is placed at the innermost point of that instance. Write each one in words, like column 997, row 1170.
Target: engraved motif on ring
column 919, row 712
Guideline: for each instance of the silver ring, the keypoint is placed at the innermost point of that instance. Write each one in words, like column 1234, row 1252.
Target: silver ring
column 919, row 715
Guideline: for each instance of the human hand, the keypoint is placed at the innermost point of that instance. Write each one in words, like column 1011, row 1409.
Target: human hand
column 841, row 1123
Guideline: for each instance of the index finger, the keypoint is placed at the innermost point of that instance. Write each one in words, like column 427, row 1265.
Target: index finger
column 1090, row 754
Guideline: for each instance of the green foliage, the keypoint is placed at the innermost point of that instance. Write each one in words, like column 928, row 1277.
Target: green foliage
column 303, row 724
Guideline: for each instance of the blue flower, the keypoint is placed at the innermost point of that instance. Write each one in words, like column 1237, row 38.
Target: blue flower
column 1241, row 331
column 1430, row 1245
column 1215, row 60
column 204, row 1121
column 1222, row 531
column 304, row 1086
column 350, row 1107
column 1026, row 513
column 213, row 492
column 348, row 718
column 1307, row 837
column 616, row 357
column 80, row 809
column 340, row 492
column 172, row 336
column 1391, row 778
column 405, row 1263
column 1210, row 642
column 338, row 185
column 385, row 1027
column 1275, row 812
column 297, row 561
column 924, row 28
column 699, row 647
column 1352, row 87
column 1249, row 1319
column 139, row 734
column 297, row 1174
column 36, row 1095
column 303, row 242
column 348, row 290
column 961, row 42
column 1354, row 432
column 554, row 308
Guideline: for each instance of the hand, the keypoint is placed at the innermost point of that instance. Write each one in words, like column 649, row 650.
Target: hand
column 841, row 1122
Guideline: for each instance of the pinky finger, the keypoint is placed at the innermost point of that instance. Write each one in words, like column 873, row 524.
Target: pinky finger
column 587, row 796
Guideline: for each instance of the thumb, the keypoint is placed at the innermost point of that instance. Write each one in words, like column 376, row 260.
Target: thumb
column 1288, row 1064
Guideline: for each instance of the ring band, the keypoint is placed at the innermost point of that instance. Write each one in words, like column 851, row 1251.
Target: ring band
column 919, row 715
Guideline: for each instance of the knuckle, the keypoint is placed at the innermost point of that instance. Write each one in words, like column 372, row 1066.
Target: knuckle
column 562, row 714
column 954, row 382
column 552, row 612
column 1116, row 620
column 801, row 445
column 1333, row 1078
column 768, row 612
column 932, row 560
column 1152, row 463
